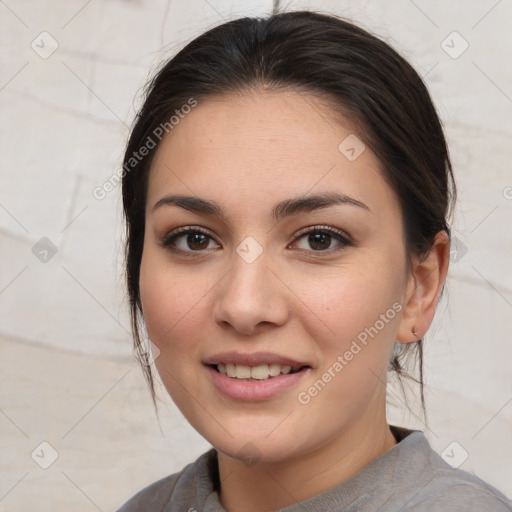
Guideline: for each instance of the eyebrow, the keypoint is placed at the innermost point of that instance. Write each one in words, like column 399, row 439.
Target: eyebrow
column 281, row 210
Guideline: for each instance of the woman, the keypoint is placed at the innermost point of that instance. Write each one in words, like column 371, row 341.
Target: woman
column 286, row 190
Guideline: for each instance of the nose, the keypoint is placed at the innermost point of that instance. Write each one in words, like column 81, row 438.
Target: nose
column 250, row 297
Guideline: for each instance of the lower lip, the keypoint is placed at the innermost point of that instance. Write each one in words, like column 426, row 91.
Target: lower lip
column 253, row 389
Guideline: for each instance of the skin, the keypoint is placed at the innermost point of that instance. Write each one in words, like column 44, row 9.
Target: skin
column 247, row 153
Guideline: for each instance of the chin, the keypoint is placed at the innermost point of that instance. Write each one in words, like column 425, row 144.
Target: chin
column 252, row 440
column 257, row 450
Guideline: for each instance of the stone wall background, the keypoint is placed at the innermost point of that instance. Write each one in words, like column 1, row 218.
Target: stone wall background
column 69, row 75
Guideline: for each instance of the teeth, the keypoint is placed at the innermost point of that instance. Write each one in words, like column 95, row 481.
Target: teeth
column 274, row 369
column 231, row 370
column 261, row 372
column 286, row 369
column 243, row 372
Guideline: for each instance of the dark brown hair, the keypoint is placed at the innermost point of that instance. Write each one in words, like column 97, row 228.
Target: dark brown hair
column 359, row 75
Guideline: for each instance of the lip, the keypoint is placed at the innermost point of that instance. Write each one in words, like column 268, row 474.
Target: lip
column 252, row 390
column 253, row 359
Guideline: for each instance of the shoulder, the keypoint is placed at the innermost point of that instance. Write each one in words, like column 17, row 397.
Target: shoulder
column 177, row 488
column 153, row 497
column 430, row 483
column 456, row 490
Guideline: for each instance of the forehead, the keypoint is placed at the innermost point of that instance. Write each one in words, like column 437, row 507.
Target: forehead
column 256, row 147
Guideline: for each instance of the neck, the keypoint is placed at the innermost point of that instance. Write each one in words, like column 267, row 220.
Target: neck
column 272, row 486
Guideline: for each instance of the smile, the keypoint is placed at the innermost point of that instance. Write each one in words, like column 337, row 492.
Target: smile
column 260, row 372
column 254, row 377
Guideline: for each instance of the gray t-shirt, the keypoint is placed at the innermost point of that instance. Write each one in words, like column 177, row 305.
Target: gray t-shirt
column 410, row 476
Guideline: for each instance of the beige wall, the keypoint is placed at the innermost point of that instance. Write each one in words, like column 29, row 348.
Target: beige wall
column 67, row 374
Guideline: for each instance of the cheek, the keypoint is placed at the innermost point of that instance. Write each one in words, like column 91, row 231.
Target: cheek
column 171, row 302
column 354, row 327
column 352, row 304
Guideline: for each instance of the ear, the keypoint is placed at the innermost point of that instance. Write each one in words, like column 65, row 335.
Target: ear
column 424, row 286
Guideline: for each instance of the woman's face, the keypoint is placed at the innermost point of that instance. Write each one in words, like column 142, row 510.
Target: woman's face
column 255, row 286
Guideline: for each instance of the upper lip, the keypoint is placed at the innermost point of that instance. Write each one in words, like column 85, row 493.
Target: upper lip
column 253, row 359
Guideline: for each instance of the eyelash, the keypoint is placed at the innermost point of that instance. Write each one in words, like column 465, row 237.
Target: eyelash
column 168, row 240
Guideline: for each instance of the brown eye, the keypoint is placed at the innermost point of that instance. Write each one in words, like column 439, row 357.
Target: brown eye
column 188, row 239
column 319, row 241
column 321, row 238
